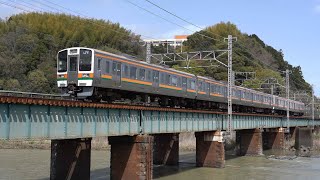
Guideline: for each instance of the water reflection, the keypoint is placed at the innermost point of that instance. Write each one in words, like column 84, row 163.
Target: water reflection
column 275, row 164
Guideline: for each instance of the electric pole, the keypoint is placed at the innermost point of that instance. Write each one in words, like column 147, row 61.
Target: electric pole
column 148, row 52
column 230, row 82
column 312, row 93
column 288, row 102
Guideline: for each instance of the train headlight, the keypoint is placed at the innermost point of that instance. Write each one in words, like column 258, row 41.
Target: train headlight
column 85, row 75
column 61, row 76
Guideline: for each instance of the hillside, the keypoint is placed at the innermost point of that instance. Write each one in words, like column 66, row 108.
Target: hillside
column 250, row 54
column 29, row 43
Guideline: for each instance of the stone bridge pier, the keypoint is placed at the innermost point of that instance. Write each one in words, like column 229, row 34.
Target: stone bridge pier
column 249, row 142
column 131, row 157
column 70, row 159
column 166, row 149
column 273, row 138
column 210, row 149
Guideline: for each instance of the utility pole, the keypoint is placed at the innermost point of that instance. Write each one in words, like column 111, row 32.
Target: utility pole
column 148, row 52
column 288, row 103
column 230, row 82
column 312, row 93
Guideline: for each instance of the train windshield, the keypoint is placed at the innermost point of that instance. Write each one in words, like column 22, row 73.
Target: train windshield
column 62, row 61
column 85, row 60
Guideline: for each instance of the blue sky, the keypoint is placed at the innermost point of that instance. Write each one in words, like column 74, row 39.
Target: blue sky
column 290, row 25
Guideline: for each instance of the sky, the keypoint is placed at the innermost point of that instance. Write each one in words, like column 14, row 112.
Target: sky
column 290, row 25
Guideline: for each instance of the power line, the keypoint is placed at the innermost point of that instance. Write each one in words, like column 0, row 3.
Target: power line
column 144, row 9
column 25, row 10
column 12, row 1
column 180, row 17
column 48, row 6
column 76, row 12
column 13, row 6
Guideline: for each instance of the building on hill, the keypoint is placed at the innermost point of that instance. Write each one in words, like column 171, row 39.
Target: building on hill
column 175, row 42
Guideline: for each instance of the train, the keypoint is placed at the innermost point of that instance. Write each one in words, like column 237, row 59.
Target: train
column 94, row 75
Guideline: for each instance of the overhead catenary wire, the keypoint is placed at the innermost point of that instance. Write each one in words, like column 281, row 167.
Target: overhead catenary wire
column 144, row 9
column 186, row 21
column 156, row 5
column 88, row 19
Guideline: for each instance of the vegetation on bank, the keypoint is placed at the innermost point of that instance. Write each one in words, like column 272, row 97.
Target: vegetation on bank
column 29, row 44
column 250, row 54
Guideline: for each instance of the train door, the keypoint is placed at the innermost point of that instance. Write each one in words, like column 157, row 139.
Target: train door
column 155, row 83
column 73, row 70
column 97, row 72
column 184, row 85
column 116, row 73
column 207, row 89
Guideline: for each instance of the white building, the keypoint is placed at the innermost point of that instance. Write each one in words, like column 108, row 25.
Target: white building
column 177, row 41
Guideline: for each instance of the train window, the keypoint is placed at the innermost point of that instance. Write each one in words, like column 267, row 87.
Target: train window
column 133, row 72
column 162, row 79
column 191, row 84
column 107, row 70
column 156, row 76
column 126, row 70
column 167, row 79
column 73, row 63
column 62, row 61
column 179, row 81
column 174, row 81
column 85, row 60
column 184, row 82
column 200, row 85
column 99, row 64
column 149, row 75
column 142, row 74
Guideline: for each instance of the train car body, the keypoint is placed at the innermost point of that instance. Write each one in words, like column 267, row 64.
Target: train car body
column 90, row 73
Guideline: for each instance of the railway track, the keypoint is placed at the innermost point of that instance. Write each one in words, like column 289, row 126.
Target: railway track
column 13, row 97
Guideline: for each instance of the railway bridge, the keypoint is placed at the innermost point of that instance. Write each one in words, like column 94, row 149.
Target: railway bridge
column 139, row 136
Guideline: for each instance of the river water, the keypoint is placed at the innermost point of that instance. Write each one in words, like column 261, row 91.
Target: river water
column 19, row 164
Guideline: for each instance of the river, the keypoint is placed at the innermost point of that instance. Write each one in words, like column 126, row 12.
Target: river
column 35, row 164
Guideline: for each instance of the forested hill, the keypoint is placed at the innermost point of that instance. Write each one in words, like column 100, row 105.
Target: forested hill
column 250, row 54
column 29, row 44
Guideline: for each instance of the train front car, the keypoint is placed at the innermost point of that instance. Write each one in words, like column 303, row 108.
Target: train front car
column 75, row 72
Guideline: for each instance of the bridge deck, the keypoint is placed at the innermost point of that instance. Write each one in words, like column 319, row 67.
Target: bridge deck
column 31, row 118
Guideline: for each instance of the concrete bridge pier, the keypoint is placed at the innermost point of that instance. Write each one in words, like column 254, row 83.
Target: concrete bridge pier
column 250, row 142
column 273, row 138
column 166, row 149
column 303, row 141
column 131, row 157
column 210, row 149
column 70, row 159
column 293, row 132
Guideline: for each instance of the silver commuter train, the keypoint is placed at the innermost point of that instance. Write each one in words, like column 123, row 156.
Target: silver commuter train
column 93, row 74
